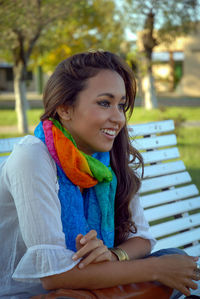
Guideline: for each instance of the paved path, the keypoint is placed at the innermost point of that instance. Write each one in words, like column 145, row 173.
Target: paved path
column 164, row 99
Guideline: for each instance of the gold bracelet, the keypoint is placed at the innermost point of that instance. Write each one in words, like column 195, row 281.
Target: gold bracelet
column 120, row 254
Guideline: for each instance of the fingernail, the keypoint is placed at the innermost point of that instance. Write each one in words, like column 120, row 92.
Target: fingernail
column 74, row 257
column 81, row 265
column 82, row 241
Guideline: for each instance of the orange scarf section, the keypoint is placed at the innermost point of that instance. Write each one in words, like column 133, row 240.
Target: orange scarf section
column 74, row 164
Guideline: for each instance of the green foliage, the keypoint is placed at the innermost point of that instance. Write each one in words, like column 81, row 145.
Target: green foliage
column 94, row 25
column 170, row 17
column 51, row 30
column 23, row 22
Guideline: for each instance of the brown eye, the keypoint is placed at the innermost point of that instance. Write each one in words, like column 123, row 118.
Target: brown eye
column 104, row 103
column 122, row 106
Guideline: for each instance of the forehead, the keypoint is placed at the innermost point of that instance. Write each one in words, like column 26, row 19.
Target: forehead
column 106, row 81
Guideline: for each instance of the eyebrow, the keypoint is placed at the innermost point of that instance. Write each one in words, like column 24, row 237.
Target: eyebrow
column 110, row 95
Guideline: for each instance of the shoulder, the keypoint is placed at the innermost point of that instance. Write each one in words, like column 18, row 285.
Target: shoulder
column 30, row 154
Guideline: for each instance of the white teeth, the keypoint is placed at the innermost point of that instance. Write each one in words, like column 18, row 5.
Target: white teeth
column 110, row 132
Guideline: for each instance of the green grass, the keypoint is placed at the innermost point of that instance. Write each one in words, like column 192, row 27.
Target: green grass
column 140, row 115
column 8, row 117
column 189, row 147
column 188, row 137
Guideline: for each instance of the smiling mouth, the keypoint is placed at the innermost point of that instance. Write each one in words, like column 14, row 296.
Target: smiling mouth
column 109, row 132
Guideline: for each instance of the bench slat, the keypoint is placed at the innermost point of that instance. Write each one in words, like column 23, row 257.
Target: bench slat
column 160, row 155
column 172, row 209
column 178, row 240
column 168, row 195
column 151, row 128
column 161, row 169
column 154, row 142
column 6, row 145
column 193, row 250
column 175, row 225
column 165, row 181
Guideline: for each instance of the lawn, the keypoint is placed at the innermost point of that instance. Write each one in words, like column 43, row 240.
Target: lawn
column 8, row 117
column 177, row 113
column 188, row 137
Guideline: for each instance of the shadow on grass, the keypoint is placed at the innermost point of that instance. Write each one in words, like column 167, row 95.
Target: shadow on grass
column 186, row 144
column 195, row 175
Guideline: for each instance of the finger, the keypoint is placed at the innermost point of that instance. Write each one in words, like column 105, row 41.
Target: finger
column 92, row 256
column 195, row 258
column 89, row 247
column 106, row 256
column 86, row 249
column 185, row 291
column 92, row 234
column 195, row 275
column 191, row 285
column 78, row 238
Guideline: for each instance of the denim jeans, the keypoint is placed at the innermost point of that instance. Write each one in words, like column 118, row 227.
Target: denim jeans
column 176, row 294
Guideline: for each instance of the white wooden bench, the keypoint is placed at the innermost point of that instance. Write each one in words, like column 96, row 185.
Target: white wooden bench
column 171, row 202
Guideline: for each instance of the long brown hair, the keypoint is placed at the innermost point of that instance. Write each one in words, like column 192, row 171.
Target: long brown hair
column 69, row 78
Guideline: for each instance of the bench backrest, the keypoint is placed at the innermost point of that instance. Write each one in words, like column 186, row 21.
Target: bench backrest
column 171, row 202
column 6, row 146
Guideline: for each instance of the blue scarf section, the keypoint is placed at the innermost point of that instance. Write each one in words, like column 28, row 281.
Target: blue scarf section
column 94, row 209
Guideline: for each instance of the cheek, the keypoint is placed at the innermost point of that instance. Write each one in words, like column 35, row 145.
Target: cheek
column 123, row 119
column 97, row 117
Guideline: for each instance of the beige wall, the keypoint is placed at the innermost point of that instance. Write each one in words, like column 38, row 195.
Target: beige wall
column 190, row 46
column 191, row 79
column 161, row 74
column 8, row 85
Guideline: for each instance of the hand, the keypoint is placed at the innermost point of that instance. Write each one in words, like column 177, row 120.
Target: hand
column 91, row 250
column 178, row 272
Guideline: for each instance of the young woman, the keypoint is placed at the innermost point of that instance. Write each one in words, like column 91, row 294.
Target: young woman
column 68, row 195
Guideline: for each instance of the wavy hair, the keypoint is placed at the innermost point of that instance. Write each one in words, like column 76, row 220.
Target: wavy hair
column 69, row 78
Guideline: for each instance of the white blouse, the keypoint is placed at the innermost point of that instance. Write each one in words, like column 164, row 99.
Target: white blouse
column 31, row 236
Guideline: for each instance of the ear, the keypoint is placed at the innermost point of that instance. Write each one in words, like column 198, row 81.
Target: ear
column 64, row 112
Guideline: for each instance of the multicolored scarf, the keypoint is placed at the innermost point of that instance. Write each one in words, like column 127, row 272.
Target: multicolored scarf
column 94, row 209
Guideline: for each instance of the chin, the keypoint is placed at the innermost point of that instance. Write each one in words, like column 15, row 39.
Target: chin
column 104, row 149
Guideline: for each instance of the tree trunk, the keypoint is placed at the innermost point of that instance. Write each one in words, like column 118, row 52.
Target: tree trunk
column 149, row 42
column 20, row 97
column 172, row 75
column 150, row 99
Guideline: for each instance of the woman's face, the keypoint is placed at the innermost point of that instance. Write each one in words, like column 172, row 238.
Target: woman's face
column 98, row 114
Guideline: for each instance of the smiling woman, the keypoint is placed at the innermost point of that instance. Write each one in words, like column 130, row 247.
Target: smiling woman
column 98, row 114
column 68, row 195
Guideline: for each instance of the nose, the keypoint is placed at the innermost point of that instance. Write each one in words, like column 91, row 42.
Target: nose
column 117, row 116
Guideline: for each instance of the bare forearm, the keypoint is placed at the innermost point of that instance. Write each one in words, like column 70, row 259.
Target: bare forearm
column 102, row 275
column 136, row 247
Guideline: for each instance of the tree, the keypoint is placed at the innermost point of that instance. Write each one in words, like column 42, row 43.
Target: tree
column 159, row 21
column 24, row 23
column 95, row 27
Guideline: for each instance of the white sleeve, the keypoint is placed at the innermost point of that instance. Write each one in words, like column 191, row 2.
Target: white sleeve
column 143, row 229
column 32, row 181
